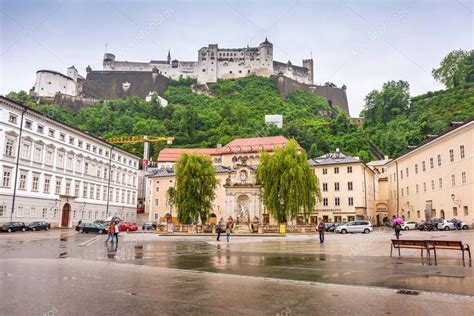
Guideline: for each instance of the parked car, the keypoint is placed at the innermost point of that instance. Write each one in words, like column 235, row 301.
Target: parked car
column 449, row 224
column 91, row 228
column 333, row 227
column 129, row 227
column 101, row 222
column 355, row 227
column 149, row 225
column 328, row 226
column 13, row 227
column 409, row 225
column 39, row 226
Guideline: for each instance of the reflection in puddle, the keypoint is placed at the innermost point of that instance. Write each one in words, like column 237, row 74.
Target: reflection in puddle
column 63, row 254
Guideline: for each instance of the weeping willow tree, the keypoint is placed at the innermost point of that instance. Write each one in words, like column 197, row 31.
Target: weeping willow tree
column 290, row 188
column 196, row 183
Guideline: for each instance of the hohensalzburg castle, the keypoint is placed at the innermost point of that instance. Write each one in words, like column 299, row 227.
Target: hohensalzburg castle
column 215, row 63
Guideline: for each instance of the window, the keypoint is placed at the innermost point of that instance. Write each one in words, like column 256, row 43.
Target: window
column 49, row 157
column 337, row 201
column 40, row 129
column 91, row 191
column 453, row 180
column 44, row 213
column 13, row 118
column 47, row 183
column 51, row 132
column 78, row 164
column 19, row 211
column 325, row 201
column 325, row 187
column 128, row 197
column 79, row 143
column 56, row 213
column 35, row 182
column 123, row 196
column 71, row 140
column 431, row 163
column 9, row 144
column 3, row 210
column 157, row 189
column 439, row 160
column 76, row 188
column 58, row 186
column 86, row 168
column 38, row 154
column 432, row 184
column 33, row 212
column 88, row 146
column 104, row 194
column 416, row 168
column 461, row 151
column 62, row 137
column 84, row 190
column 455, row 211
column 25, row 151
column 349, row 169
column 351, row 201
column 424, row 186
column 336, row 186
column 349, row 186
column 28, row 124
column 466, row 211
column 402, row 192
column 117, row 195
column 22, row 184
column 336, row 170
column 440, row 183
column 7, row 174
column 463, row 177
column 451, row 155
column 423, row 166
column 68, row 187
column 94, row 149
column 418, row 214
column 417, row 189
column 325, row 171
column 69, row 163
column 60, row 161
column 408, row 191
column 97, row 193
column 406, row 170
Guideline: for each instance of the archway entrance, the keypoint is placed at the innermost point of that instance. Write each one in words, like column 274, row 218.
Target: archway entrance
column 65, row 215
column 442, row 214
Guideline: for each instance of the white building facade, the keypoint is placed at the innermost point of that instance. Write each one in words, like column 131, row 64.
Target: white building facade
column 53, row 172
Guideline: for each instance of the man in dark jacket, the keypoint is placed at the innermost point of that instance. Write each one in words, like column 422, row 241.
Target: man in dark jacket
column 321, row 229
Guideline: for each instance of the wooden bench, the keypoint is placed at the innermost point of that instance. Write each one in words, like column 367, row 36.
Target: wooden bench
column 449, row 245
column 409, row 244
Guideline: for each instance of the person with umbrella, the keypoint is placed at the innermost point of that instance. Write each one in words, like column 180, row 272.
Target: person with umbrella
column 397, row 221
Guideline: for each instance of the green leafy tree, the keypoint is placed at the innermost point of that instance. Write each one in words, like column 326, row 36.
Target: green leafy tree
column 195, row 187
column 455, row 68
column 289, row 185
column 171, row 197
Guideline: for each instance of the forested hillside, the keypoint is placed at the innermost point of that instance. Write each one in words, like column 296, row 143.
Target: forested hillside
column 236, row 108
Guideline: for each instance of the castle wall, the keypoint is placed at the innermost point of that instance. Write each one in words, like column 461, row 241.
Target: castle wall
column 335, row 96
column 48, row 83
column 297, row 73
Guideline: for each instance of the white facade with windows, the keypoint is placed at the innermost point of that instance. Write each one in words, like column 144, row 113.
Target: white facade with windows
column 62, row 173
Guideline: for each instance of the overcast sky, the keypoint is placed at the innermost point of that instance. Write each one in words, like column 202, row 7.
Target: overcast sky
column 358, row 43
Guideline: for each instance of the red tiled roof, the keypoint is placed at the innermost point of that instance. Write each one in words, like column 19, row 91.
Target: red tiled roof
column 255, row 144
column 172, row 154
column 240, row 145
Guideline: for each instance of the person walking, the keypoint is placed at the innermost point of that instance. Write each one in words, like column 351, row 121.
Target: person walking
column 321, row 229
column 398, row 228
column 110, row 232
column 219, row 230
column 228, row 231
column 116, row 231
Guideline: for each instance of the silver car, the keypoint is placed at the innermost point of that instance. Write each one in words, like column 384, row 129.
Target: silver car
column 449, row 224
column 355, row 227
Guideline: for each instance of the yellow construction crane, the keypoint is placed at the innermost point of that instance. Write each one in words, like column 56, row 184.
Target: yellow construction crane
column 139, row 139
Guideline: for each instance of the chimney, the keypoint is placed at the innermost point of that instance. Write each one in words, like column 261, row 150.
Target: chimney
column 337, row 150
column 219, row 146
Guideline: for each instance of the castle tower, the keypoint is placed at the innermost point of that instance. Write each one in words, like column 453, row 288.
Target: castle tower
column 308, row 63
column 72, row 73
column 108, row 61
column 265, row 50
column 207, row 64
column 169, row 56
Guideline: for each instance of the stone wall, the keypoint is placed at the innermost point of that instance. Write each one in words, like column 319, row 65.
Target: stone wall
column 70, row 103
column 335, row 96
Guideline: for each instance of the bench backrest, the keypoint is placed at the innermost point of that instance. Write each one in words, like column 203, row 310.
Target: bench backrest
column 445, row 243
column 409, row 242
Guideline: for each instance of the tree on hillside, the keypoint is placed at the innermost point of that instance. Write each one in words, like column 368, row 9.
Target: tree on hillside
column 195, row 187
column 455, row 69
column 289, row 185
column 383, row 106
